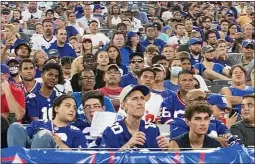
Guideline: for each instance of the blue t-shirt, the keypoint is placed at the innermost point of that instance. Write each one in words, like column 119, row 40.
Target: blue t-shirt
column 67, row 50
column 124, row 69
column 158, row 42
column 241, row 92
column 171, row 107
column 118, row 135
column 125, row 53
column 70, row 135
column 169, row 85
column 127, row 80
column 80, row 114
column 218, row 68
column 35, row 88
column 165, row 94
column 195, row 61
column 178, row 127
column 39, row 106
column 84, row 126
column 38, row 73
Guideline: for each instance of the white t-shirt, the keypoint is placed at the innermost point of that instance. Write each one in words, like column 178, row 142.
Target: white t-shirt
column 174, row 40
column 26, row 14
column 136, row 24
column 96, row 38
column 85, row 22
column 152, row 106
column 39, row 42
column 77, row 27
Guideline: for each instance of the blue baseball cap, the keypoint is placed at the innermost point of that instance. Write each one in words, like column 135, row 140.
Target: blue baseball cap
column 218, row 100
column 130, row 88
column 131, row 34
column 230, row 12
column 97, row 6
column 4, row 68
column 167, row 27
column 194, row 41
column 53, row 52
column 245, row 43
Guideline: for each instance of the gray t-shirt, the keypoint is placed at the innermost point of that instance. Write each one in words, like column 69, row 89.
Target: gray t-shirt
column 245, row 132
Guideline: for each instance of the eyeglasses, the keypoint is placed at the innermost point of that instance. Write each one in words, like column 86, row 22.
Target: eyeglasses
column 5, row 13
column 89, row 107
column 113, row 72
column 86, row 78
column 137, row 61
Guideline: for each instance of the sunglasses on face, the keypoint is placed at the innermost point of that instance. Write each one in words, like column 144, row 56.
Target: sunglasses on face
column 249, row 47
column 137, row 61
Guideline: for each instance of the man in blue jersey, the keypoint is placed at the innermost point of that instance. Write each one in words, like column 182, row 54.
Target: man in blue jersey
column 56, row 133
column 136, row 65
column 39, row 103
column 195, row 47
column 86, row 79
column 27, row 72
column 133, row 132
column 60, row 44
column 93, row 101
column 173, row 106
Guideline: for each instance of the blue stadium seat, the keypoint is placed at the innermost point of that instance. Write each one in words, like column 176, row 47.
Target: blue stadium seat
column 216, row 88
column 222, row 82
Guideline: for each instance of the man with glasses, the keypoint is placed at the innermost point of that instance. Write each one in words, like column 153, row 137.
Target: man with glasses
column 92, row 101
column 87, row 81
column 245, row 128
column 136, row 65
column 111, row 89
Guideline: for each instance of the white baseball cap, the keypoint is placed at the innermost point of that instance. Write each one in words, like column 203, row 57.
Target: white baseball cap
column 130, row 88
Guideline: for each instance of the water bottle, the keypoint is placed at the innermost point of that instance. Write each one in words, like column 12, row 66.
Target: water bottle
column 12, row 118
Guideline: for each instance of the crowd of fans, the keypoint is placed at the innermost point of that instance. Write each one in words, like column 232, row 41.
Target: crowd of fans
column 189, row 65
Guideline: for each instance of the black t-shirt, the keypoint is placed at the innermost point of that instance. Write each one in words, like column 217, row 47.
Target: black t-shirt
column 183, row 142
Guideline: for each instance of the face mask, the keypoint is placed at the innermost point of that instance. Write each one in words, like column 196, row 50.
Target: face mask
column 175, row 71
column 14, row 71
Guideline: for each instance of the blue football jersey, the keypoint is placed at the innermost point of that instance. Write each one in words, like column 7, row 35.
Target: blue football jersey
column 84, row 126
column 70, row 135
column 39, row 106
column 178, row 127
column 118, row 135
column 172, row 107
column 35, row 88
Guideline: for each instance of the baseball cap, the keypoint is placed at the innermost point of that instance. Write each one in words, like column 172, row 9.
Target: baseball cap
column 22, row 44
column 167, row 27
column 130, row 88
column 15, row 20
column 113, row 66
column 12, row 60
column 135, row 54
column 176, row 12
column 5, row 11
column 4, row 68
column 61, row 18
column 131, row 34
column 86, row 39
column 229, row 12
column 134, row 8
column 53, row 52
column 97, row 6
column 194, row 41
column 206, row 49
column 218, row 100
column 245, row 43
column 158, row 67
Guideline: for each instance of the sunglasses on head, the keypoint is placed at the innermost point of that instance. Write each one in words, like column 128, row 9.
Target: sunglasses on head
column 137, row 61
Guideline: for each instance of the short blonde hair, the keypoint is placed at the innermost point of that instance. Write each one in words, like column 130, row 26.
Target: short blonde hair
column 13, row 29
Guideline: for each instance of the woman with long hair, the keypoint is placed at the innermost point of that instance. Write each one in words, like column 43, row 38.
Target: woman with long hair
column 87, row 47
column 115, row 58
column 102, row 59
column 115, row 16
column 133, row 42
column 76, row 67
column 231, row 34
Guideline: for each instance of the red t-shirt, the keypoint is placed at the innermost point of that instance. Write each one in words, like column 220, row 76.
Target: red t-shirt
column 18, row 95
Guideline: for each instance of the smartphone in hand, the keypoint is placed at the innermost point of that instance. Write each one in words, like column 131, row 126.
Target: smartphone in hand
column 232, row 112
